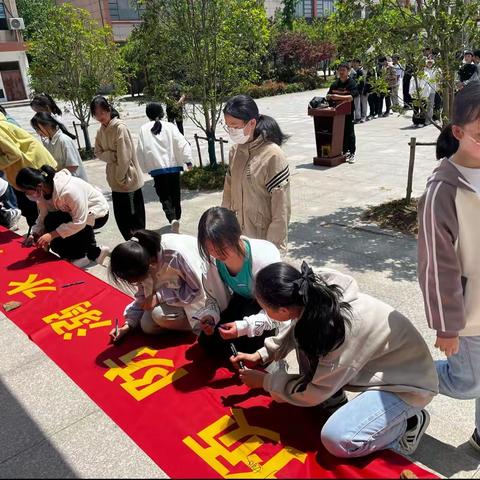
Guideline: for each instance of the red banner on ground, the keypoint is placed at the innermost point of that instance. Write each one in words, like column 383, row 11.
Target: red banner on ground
column 193, row 417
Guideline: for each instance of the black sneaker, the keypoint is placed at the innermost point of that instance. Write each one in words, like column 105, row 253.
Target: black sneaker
column 350, row 158
column 411, row 438
column 474, row 440
column 335, row 402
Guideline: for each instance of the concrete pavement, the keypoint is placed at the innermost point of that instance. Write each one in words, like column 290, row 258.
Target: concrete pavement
column 51, row 428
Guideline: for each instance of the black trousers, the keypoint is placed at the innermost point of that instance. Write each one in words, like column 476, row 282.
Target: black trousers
column 167, row 186
column 238, row 308
column 388, row 102
column 349, row 141
column 27, row 207
column 174, row 117
column 373, row 103
column 75, row 246
column 129, row 212
column 407, row 98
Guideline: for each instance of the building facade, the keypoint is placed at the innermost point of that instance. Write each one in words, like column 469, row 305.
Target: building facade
column 14, row 84
column 121, row 15
column 314, row 8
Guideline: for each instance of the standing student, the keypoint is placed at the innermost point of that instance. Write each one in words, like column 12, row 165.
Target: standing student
column 162, row 151
column 361, row 100
column 344, row 340
column 257, row 183
column 45, row 103
column 114, row 145
column 342, row 90
column 175, row 101
column 237, row 260
column 19, row 149
column 169, row 274
column 448, row 258
column 70, row 209
column 59, row 142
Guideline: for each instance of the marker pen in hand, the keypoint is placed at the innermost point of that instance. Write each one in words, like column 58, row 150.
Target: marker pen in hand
column 235, row 353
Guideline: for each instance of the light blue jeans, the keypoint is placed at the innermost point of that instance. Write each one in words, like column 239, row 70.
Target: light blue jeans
column 459, row 375
column 375, row 420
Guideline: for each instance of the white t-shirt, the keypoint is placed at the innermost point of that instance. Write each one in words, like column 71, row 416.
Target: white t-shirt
column 472, row 175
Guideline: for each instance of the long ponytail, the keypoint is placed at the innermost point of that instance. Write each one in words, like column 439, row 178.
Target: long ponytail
column 44, row 118
column 154, row 111
column 31, row 178
column 447, row 144
column 323, row 324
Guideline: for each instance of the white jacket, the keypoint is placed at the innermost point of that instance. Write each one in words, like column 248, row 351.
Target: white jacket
column 73, row 195
column 167, row 151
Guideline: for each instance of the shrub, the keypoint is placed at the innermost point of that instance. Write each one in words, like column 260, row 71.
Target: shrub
column 204, row 178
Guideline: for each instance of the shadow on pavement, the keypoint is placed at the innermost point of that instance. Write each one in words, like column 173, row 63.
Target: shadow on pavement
column 336, row 238
column 25, row 451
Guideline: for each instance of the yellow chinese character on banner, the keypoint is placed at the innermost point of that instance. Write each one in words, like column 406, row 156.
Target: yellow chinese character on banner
column 78, row 317
column 154, row 379
column 31, row 285
column 221, row 448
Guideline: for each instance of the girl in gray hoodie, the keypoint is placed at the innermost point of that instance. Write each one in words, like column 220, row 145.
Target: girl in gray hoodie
column 344, row 340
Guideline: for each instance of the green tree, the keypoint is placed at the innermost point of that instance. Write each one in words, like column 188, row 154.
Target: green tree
column 288, row 13
column 35, row 14
column 73, row 59
column 211, row 47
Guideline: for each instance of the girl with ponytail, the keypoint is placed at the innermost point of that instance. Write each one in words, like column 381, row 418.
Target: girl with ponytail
column 257, row 183
column 344, row 340
column 70, row 209
column 59, row 142
column 162, row 151
column 448, row 253
column 43, row 102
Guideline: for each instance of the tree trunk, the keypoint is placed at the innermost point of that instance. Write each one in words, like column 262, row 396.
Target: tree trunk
column 86, row 136
column 212, row 156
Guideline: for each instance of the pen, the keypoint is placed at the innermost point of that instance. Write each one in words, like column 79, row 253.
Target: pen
column 235, row 353
column 72, row 284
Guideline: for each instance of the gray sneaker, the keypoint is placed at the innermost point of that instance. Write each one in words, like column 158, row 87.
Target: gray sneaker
column 175, row 226
column 14, row 216
column 411, row 438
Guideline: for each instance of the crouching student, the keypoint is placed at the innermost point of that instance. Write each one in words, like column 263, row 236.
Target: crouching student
column 345, row 340
column 169, row 274
column 70, row 209
column 237, row 260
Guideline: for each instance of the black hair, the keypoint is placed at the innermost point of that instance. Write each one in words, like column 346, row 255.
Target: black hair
column 154, row 112
column 466, row 109
column 43, row 100
column 220, row 227
column 101, row 102
column 323, row 324
column 31, row 178
column 382, row 59
column 245, row 108
column 476, row 53
column 343, row 65
column 356, row 60
column 468, row 52
column 131, row 260
column 45, row 118
column 2, row 110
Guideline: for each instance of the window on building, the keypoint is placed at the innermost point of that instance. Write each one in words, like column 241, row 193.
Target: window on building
column 124, row 10
column 3, row 17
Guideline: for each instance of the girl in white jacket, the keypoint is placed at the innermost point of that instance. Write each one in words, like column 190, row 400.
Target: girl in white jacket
column 237, row 259
column 69, row 210
column 161, row 151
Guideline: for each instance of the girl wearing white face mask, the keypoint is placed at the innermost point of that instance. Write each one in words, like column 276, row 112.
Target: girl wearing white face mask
column 69, row 211
column 257, row 184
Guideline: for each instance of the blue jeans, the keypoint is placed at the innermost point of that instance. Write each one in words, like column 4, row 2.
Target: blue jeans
column 9, row 199
column 459, row 375
column 375, row 420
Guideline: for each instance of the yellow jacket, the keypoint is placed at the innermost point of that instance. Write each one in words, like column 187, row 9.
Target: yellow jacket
column 18, row 149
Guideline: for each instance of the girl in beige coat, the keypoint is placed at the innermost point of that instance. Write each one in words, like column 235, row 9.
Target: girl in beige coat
column 257, row 184
column 114, row 145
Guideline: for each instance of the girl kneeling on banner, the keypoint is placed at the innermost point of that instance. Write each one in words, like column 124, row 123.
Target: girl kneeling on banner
column 70, row 209
column 344, row 340
column 170, row 276
column 237, row 259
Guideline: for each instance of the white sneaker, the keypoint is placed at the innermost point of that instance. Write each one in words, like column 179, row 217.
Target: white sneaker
column 104, row 253
column 81, row 262
column 14, row 217
column 175, row 226
column 411, row 438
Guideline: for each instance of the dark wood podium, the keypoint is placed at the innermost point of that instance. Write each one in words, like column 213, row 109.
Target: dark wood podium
column 329, row 123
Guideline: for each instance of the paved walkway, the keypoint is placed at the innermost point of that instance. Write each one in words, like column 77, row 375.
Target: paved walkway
column 51, row 428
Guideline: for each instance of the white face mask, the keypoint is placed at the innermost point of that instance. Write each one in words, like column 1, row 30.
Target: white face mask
column 237, row 135
column 35, row 197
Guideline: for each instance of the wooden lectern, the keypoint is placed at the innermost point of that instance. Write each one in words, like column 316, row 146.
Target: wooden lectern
column 329, row 124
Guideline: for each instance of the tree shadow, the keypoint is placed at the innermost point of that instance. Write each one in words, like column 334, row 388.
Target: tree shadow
column 338, row 238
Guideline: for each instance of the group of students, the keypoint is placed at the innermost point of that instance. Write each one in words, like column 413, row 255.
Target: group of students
column 229, row 285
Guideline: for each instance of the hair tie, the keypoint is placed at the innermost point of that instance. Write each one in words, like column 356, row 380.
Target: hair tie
column 302, row 284
column 44, row 174
column 134, row 239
